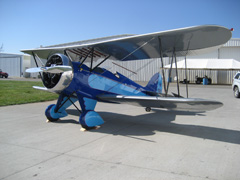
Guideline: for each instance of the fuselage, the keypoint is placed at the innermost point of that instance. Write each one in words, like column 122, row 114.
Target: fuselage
column 101, row 82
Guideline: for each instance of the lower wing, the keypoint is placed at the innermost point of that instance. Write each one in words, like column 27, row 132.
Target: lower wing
column 172, row 103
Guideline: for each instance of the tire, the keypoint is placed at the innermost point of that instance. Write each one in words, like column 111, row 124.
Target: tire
column 6, row 76
column 236, row 92
column 148, row 109
column 48, row 114
column 1, row 76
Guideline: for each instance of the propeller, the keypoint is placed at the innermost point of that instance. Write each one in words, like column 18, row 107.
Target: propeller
column 56, row 71
column 52, row 69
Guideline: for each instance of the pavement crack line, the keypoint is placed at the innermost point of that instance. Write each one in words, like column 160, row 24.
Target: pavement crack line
column 58, row 154
column 97, row 160
column 139, row 167
column 30, row 167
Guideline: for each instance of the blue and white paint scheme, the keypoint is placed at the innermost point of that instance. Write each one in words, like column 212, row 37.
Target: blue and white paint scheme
column 67, row 74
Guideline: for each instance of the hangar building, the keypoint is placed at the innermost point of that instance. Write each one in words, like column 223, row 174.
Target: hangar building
column 15, row 64
column 145, row 69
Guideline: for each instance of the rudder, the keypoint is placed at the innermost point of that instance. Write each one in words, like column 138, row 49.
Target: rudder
column 155, row 83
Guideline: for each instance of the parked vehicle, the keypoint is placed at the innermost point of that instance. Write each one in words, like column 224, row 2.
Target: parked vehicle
column 3, row 74
column 236, row 85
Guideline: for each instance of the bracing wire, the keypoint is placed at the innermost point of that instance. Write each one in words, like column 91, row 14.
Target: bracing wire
column 139, row 69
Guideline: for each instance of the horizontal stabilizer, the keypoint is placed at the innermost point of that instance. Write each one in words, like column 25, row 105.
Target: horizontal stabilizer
column 172, row 103
column 53, row 69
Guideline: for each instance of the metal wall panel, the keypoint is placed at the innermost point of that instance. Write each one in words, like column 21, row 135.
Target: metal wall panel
column 225, row 77
column 230, row 53
column 210, row 55
column 233, row 42
column 191, row 75
column 11, row 65
column 144, row 69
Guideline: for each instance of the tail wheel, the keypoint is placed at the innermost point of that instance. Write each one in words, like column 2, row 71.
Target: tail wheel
column 48, row 113
column 236, row 92
column 148, row 109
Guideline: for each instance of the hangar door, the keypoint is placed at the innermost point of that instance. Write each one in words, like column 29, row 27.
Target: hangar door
column 11, row 65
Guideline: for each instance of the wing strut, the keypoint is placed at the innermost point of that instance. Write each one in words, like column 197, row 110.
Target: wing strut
column 161, row 55
column 66, row 53
column 169, row 75
column 101, row 62
column 176, row 71
column 86, row 57
column 186, row 76
column 60, row 103
column 174, row 58
column 186, row 66
column 34, row 56
column 92, row 58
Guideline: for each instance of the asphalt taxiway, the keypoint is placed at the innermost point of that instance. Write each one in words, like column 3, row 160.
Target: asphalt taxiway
column 132, row 144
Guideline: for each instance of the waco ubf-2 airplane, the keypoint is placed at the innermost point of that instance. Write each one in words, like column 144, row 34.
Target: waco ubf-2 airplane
column 75, row 74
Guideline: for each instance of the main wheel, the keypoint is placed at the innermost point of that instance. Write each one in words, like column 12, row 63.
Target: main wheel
column 48, row 114
column 236, row 92
column 90, row 119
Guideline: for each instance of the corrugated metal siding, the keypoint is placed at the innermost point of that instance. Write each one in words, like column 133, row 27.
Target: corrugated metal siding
column 200, row 73
column 145, row 69
column 11, row 64
column 230, row 53
column 225, row 77
column 233, row 42
column 210, row 55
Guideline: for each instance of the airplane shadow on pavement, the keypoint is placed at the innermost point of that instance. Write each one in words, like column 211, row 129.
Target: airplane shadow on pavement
column 161, row 121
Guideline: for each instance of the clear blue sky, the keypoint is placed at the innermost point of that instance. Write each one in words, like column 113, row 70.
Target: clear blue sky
column 26, row 24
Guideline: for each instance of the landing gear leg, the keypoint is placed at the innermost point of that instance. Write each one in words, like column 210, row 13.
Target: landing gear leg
column 55, row 112
column 89, row 119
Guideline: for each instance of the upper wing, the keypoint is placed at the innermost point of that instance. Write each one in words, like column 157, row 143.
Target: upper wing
column 173, row 103
column 191, row 41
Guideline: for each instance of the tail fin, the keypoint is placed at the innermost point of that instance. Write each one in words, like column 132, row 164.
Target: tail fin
column 155, row 84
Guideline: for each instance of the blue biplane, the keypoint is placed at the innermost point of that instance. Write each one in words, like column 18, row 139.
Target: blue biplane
column 66, row 71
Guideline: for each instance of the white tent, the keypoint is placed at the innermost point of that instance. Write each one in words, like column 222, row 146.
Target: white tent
column 207, row 64
column 221, row 71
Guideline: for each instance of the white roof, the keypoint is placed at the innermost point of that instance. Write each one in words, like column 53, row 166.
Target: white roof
column 208, row 64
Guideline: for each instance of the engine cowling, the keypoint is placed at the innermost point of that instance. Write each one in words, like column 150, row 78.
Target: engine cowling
column 56, row 82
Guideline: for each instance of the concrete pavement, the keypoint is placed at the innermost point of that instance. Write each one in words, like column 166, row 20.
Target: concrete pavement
column 132, row 144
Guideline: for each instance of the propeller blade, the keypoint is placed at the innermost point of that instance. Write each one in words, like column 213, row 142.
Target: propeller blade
column 34, row 70
column 53, row 69
column 57, row 69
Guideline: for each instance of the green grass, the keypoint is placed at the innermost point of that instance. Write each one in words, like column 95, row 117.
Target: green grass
column 21, row 92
